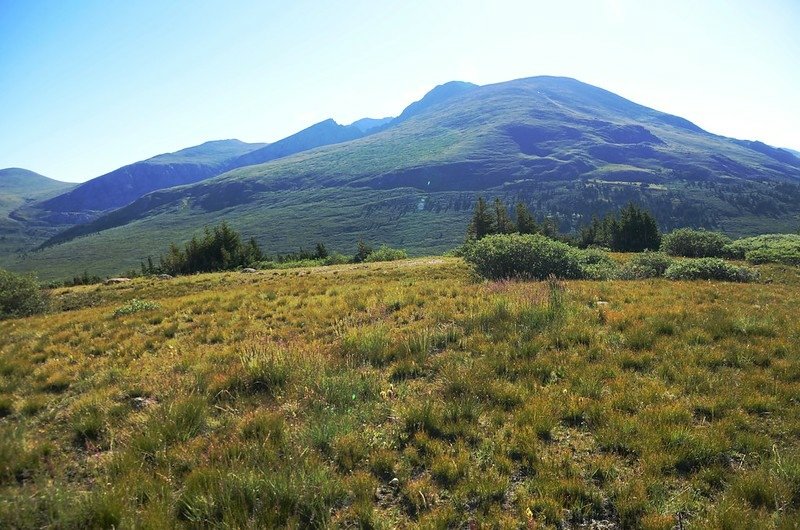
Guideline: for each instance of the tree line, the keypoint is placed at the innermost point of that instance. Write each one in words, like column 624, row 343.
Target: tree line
column 221, row 248
column 632, row 229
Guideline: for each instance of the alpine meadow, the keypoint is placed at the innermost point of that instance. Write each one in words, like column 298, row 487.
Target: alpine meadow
column 478, row 298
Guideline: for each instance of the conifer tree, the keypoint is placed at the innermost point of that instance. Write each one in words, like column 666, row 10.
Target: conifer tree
column 321, row 252
column 502, row 221
column 526, row 224
column 482, row 223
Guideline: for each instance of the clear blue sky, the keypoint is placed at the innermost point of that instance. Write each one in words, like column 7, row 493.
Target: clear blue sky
column 88, row 86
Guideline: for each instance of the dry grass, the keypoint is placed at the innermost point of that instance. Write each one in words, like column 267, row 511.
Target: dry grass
column 297, row 397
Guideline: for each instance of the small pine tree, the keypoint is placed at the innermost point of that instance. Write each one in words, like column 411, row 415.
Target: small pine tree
column 321, row 252
column 526, row 224
column 482, row 223
column 550, row 228
column 502, row 221
column 363, row 252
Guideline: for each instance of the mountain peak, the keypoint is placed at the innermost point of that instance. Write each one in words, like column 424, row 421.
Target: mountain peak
column 437, row 95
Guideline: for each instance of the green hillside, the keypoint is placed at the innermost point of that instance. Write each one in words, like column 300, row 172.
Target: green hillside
column 19, row 187
column 113, row 190
column 568, row 149
column 27, row 184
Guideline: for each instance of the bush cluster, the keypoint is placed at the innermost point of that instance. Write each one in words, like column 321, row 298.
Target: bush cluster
column 20, row 295
column 769, row 248
column 526, row 256
column 691, row 243
column 135, row 306
column 595, row 264
column 384, row 253
column 536, row 257
column 646, row 265
column 709, row 269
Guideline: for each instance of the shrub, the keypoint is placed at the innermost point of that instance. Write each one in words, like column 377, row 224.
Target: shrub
column 134, row 306
column 384, row 253
column 646, row 265
column 336, row 258
column 522, row 256
column 596, row 264
column 709, row 269
column 769, row 248
column 20, row 295
column 691, row 243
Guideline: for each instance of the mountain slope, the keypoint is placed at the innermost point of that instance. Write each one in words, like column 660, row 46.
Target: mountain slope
column 323, row 133
column 19, row 187
column 367, row 124
column 122, row 186
column 25, row 183
column 567, row 149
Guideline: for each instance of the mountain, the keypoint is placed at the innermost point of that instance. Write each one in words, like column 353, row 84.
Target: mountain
column 25, row 183
column 120, row 187
column 323, row 133
column 567, row 149
column 438, row 95
column 795, row 153
column 367, row 124
column 19, row 187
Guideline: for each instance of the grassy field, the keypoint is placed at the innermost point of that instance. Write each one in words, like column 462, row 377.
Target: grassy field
column 404, row 394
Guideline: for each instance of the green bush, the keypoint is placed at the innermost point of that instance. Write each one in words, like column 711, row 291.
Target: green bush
column 134, row 306
column 384, row 253
column 646, row 265
column 769, row 248
column 522, row 256
column 336, row 258
column 20, row 295
column 691, row 243
column 709, row 269
column 596, row 264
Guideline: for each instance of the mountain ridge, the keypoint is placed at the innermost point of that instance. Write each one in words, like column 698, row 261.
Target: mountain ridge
column 568, row 149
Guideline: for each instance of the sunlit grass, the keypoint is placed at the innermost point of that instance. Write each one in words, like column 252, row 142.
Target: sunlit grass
column 404, row 394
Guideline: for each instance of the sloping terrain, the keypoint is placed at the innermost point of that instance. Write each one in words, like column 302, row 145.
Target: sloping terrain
column 568, row 149
column 122, row 186
column 323, row 133
column 19, row 187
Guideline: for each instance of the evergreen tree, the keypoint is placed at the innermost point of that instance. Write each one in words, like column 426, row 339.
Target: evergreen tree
column 482, row 221
column 321, row 252
column 526, row 224
column 549, row 228
column 362, row 252
column 634, row 230
column 502, row 221
column 637, row 230
column 220, row 248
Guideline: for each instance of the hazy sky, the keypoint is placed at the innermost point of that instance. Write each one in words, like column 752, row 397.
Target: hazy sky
column 88, row 86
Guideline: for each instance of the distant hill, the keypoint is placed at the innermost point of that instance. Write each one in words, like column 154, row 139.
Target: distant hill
column 323, row 133
column 19, row 187
column 120, row 187
column 368, row 124
column 25, row 183
column 567, row 149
